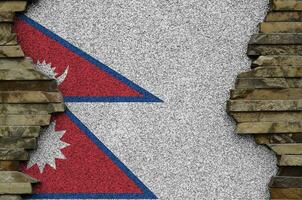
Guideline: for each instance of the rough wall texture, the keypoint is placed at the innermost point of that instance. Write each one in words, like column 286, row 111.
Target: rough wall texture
column 188, row 53
column 27, row 100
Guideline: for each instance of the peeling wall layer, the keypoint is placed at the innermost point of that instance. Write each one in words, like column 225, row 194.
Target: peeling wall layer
column 27, row 100
column 267, row 101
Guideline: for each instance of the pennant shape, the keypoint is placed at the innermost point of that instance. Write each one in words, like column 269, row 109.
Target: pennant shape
column 81, row 78
column 75, row 164
column 86, row 168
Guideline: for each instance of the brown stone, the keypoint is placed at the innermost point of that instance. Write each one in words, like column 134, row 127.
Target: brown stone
column 48, row 85
column 24, row 120
column 10, row 197
column 290, row 160
column 19, row 131
column 264, row 105
column 267, row 49
column 285, row 193
column 267, row 116
column 5, row 28
column 25, row 143
column 268, row 83
column 279, row 60
column 31, row 109
column 16, row 177
column 16, row 63
column 11, row 52
column 267, row 94
column 281, row 27
column 13, row 154
column 278, row 138
column 287, row 5
column 15, row 188
column 8, row 39
column 285, row 182
column 22, row 74
column 9, row 166
column 30, row 97
column 12, row 6
column 290, row 171
column 273, row 72
column 283, row 149
column 277, row 39
column 268, row 127
column 7, row 16
column 284, row 17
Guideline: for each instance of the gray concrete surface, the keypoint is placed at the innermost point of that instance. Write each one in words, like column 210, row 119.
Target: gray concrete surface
column 188, row 53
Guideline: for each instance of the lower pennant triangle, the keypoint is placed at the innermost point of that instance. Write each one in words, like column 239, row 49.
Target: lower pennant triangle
column 72, row 163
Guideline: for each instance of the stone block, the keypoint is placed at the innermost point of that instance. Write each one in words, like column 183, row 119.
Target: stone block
column 267, row 49
column 22, row 74
column 281, row 27
column 263, row 105
column 266, row 116
column 294, row 16
column 15, row 188
column 285, row 182
column 290, row 160
column 11, row 52
column 286, row 193
column 268, row 83
column 278, row 138
column 7, row 16
column 31, row 109
column 24, row 120
column 25, row 143
column 10, row 197
column 30, row 97
column 13, row 154
column 13, row 6
column 9, row 166
column 16, row 177
column 19, row 131
column 290, row 60
column 277, row 39
column 273, row 72
column 268, row 127
column 290, row 171
column 287, row 5
column 267, row 94
column 48, row 85
column 283, row 149
column 8, row 39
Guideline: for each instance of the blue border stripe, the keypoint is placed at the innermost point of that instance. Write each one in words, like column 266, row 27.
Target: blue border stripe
column 147, row 194
column 109, row 99
column 147, row 96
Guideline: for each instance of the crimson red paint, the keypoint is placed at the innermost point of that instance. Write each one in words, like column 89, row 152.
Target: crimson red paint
column 83, row 79
column 86, row 168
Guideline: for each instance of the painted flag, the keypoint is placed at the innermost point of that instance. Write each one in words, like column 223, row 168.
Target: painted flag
column 71, row 162
column 187, row 53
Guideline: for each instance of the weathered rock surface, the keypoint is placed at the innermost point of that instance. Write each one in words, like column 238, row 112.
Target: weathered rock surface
column 286, row 182
column 267, row 100
column 284, row 17
column 287, row 5
column 27, row 100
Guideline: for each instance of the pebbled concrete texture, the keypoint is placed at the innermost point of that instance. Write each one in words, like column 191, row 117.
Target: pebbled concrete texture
column 188, row 53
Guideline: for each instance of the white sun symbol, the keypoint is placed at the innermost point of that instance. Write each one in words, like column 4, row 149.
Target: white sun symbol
column 49, row 148
column 49, row 71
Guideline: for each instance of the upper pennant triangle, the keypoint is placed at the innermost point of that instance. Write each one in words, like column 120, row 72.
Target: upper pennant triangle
column 85, row 78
